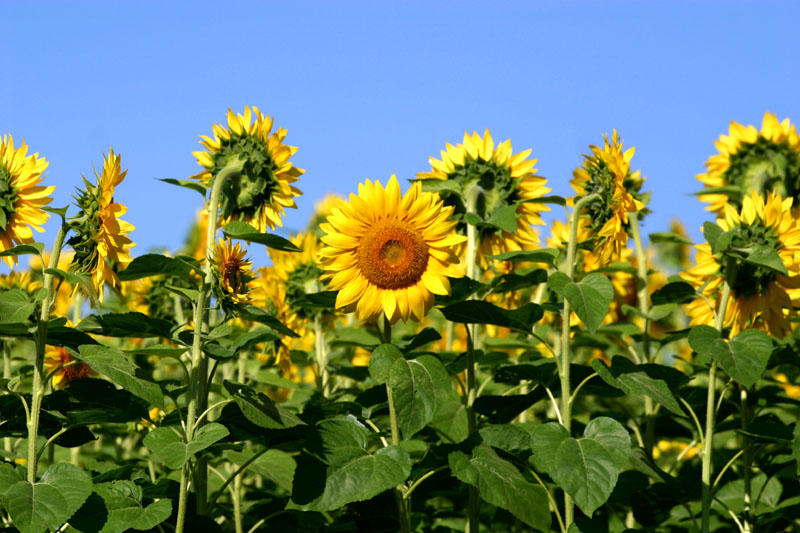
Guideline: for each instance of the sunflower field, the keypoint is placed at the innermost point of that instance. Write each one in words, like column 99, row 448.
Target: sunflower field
column 424, row 356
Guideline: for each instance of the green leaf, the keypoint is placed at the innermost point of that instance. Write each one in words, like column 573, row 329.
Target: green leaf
column 744, row 358
column 134, row 516
column 168, row 447
column 15, row 306
column 275, row 465
column 440, row 186
column 501, row 484
column 702, row 339
column 317, row 300
column 480, row 312
column 24, row 249
column 586, row 468
column 119, row 369
column 156, row 264
column 251, row 312
column 190, row 294
column 543, row 255
column 713, row 234
column 414, row 399
column 361, row 478
column 420, row 339
column 187, row 184
column 381, row 361
column 130, row 324
column 259, row 408
column 515, row 282
column 504, row 218
column 767, row 257
column 49, row 503
column 556, row 200
column 450, row 414
column 668, row 237
column 678, row 292
column 508, row 437
column 355, row 337
column 9, row 475
column 795, row 446
column 246, row 232
column 590, row 298
column 638, row 381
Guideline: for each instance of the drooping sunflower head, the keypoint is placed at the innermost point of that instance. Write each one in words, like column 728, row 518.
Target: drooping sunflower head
column 503, row 182
column 759, row 258
column 100, row 242
column 259, row 194
column 21, row 196
column 233, row 272
column 607, row 173
column 753, row 160
column 67, row 369
column 390, row 253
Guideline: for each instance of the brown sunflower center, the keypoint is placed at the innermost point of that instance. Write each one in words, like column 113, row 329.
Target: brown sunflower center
column 393, row 255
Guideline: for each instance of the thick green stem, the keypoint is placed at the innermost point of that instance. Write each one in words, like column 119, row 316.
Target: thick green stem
column 322, row 352
column 643, row 298
column 198, row 383
column 8, row 445
column 473, row 506
column 38, row 368
column 708, row 441
column 566, row 404
column 747, row 461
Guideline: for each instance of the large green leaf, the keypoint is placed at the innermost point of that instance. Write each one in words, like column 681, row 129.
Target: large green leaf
column 675, row 292
column 168, row 447
column 501, row 484
column 589, row 298
column 586, row 468
column 117, row 367
column 480, row 312
column 381, row 361
column 126, row 325
column 117, row 506
column 639, row 380
column 259, row 408
column 413, row 394
column 15, row 306
column 744, row 358
column 246, row 232
column 543, row 255
column 450, row 413
column 49, row 503
column 24, row 249
column 275, row 465
column 157, row 264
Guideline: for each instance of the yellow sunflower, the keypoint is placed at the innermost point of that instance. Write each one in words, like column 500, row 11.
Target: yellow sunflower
column 299, row 273
column 322, row 210
column 21, row 196
column 264, row 188
column 101, row 244
column 233, row 271
column 387, row 253
column 607, row 173
column 748, row 159
column 71, row 369
column 503, row 180
column 19, row 280
column 760, row 297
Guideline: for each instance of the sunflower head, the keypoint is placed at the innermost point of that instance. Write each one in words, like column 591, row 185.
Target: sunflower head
column 261, row 191
column 322, row 210
column 752, row 160
column 100, row 242
column 607, row 173
column 67, row 368
column 756, row 251
column 21, row 196
column 504, row 183
column 233, row 272
column 299, row 272
column 390, row 253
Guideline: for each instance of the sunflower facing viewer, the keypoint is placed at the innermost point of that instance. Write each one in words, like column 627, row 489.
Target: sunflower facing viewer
column 21, row 196
column 390, row 253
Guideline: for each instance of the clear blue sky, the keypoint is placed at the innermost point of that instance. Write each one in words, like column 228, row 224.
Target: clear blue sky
column 368, row 89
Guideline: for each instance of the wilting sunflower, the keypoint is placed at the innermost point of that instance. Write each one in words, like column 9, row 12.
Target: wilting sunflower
column 607, row 173
column 21, row 196
column 259, row 194
column 233, row 271
column 760, row 296
column 100, row 242
column 503, row 180
column 387, row 253
column 70, row 368
column 748, row 159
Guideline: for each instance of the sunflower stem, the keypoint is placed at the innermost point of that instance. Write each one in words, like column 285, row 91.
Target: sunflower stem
column 566, row 404
column 37, row 392
column 8, row 445
column 747, row 460
column 644, row 307
column 198, row 382
column 708, row 441
column 321, row 351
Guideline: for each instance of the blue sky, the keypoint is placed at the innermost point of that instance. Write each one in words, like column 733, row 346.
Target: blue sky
column 370, row 89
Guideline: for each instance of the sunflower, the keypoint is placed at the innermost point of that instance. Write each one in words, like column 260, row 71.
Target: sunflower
column 761, row 297
column 322, row 210
column 748, row 159
column 21, row 196
column 19, row 280
column 299, row 273
column 504, row 180
column 64, row 291
column 65, row 367
column 195, row 245
column 233, row 271
column 607, row 173
column 259, row 194
column 100, row 244
column 387, row 253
